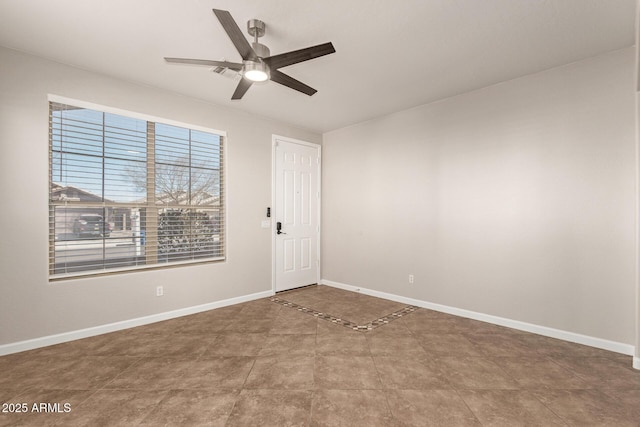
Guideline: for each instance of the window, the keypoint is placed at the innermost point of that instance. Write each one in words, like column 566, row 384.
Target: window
column 127, row 192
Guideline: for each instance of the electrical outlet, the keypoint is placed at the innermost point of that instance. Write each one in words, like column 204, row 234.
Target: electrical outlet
column 159, row 291
column 411, row 279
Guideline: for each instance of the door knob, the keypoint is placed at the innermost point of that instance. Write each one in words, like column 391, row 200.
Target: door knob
column 279, row 228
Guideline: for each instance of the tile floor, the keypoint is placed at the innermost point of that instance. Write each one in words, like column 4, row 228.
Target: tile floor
column 266, row 363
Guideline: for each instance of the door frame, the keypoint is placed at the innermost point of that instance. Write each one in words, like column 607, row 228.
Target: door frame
column 274, row 141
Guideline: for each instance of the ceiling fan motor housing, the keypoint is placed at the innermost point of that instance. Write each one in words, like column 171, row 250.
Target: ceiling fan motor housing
column 261, row 50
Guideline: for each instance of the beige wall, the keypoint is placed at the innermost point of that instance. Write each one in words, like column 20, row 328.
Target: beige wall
column 516, row 200
column 636, row 359
column 30, row 306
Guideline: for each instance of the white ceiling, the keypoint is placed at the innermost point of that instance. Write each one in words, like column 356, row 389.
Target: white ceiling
column 390, row 54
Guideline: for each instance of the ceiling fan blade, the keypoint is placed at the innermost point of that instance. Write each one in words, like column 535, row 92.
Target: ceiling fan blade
column 242, row 88
column 293, row 57
column 206, row 62
column 237, row 38
column 285, row 80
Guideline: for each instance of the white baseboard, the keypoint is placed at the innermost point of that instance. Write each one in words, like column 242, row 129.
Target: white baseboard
column 636, row 362
column 514, row 324
column 125, row 324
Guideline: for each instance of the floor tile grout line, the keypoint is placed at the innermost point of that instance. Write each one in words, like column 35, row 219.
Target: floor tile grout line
column 384, row 389
column 456, row 391
column 255, row 358
column 568, row 369
column 138, row 360
column 560, row 417
column 236, row 400
column 156, row 406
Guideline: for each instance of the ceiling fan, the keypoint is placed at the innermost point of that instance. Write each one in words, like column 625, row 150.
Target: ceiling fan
column 257, row 64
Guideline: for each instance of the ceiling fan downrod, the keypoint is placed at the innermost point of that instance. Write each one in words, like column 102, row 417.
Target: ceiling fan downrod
column 257, row 28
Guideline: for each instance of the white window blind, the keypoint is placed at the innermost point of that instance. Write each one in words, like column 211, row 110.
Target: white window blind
column 129, row 193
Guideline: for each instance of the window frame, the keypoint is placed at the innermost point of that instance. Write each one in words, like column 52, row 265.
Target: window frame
column 150, row 202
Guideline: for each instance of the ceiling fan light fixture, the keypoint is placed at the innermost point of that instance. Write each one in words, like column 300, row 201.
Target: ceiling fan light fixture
column 256, row 71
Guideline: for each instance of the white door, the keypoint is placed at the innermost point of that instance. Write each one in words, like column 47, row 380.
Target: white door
column 296, row 213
